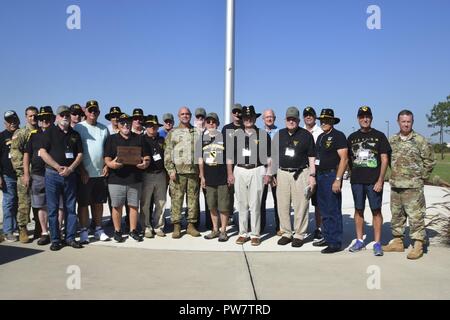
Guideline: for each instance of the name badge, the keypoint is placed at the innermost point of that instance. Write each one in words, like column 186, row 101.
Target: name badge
column 289, row 152
column 9, row 155
column 156, row 157
column 69, row 155
column 363, row 154
column 246, row 153
column 317, row 162
column 210, row 160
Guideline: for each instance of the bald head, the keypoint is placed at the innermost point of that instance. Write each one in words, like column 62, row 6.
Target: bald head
column 269, row 117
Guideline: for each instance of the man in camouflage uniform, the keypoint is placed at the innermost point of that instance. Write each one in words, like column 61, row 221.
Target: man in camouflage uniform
column 183, row 172
column 19, row 140
column 411, row 164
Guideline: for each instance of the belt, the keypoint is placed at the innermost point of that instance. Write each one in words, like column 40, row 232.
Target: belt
column 247, row 166
column 291, row 169
column 326, row 171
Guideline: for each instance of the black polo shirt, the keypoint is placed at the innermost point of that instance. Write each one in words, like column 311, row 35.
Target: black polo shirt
column 32, row 148
column 293, row 150
column 213, row 154
column 6, row 167
column 61, row 146
column 326, row 149
column 252, row 148
column 128, row 174
column 156, row 148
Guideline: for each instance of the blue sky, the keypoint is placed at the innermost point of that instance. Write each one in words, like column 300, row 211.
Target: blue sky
column 162, row 54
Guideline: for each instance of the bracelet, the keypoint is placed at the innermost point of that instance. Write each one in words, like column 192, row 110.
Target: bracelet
column 338, row 178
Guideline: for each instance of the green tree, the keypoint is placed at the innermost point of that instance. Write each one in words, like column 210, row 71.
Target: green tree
column 440, row 118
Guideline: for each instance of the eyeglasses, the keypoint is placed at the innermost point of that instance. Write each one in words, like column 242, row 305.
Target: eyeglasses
column 237, row 112
column 211, row 121
column 168, row 122
column 125, row 123
column 64, row 115
column 93, row 110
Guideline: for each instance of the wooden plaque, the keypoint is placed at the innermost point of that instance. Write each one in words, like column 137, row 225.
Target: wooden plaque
column 129, row 155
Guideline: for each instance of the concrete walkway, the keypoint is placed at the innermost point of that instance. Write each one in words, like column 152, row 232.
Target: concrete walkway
column 194, row 268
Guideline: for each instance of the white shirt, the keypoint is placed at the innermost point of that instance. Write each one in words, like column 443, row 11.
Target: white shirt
column 316, row 131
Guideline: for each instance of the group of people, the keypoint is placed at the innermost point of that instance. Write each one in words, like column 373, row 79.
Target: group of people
column 59, row 160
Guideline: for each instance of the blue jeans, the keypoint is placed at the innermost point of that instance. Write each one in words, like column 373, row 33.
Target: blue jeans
column 55, row 185
column 10, row 204
column 330, row 205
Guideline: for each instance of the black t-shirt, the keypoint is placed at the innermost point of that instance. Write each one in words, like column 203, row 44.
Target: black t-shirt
column 326, row 149
column 292, row 151
column 128, row 174
column 32, row 148
column 249, row 149
column 156, row 148
column 213, row 153
column 6, row 167
column 62, row 147
column 365, row 149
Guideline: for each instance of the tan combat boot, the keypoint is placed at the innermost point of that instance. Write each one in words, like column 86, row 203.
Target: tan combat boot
column 23, row 235
column 417, row 251
column 396, row 245
column 176, row 231
column 191, row 230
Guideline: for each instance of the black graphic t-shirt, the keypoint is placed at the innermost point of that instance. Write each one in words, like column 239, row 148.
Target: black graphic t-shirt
column 327, row 146
column 213, row 153
column 365, row 149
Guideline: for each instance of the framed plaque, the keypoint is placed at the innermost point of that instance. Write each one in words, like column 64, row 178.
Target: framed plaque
column 129, row 155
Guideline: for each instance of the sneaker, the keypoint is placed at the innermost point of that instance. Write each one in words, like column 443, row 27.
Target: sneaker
column 43, row 240
column 212, row 235
column 357, row 246
column 136, row 236
column 377, row 250
column 320, row 243
column 160, row 233
column 84, row 236
column 149, row 233
column 101, row 235
column 223, row 237
column 10, row 237
column 318, row 234
column 118, row 236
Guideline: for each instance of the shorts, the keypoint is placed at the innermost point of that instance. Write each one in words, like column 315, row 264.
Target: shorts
column 218, row 197
column 121, row 194
column 93, row 192
column 38, row 199
column 361, row 191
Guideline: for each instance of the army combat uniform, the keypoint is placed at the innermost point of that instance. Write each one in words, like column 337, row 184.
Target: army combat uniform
column 411, row 164
column 179, row 158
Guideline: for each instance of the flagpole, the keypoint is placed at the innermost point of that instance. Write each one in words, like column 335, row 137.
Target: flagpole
column 229, row 61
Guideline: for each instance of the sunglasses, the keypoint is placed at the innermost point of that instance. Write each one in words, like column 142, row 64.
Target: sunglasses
column 125, row 123
column 64, row 115
column 211, row 121
column 93, row 110
column 237, row 112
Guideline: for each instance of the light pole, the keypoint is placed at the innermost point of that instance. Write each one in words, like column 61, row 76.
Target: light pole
column 229, row 61
column 387, row 121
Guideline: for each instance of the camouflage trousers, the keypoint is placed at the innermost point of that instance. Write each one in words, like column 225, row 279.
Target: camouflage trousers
column 24, row 203
column 185, row 184
column 408, row 203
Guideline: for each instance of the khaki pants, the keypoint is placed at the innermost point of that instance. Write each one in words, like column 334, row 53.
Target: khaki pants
column 248, row 187
column 291, row 191
column 154, row 184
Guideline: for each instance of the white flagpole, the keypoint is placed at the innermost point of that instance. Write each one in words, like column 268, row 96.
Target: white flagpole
column 229, row 61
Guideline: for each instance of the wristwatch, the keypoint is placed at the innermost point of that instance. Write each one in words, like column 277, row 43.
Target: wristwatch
column 338, row 178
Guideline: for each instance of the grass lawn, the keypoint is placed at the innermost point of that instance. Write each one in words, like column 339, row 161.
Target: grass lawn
column 442, row 168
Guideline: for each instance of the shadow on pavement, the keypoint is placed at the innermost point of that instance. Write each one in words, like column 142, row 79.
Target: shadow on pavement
column 12, row 253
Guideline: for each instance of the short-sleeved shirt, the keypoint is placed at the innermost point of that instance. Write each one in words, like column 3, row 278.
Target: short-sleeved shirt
column 327, row 147
column 294, row 150
column 156, row 148
column 254, row 148
column 6, row 167
column 365, row 149
column 316, row 131
column 62, row 146
column 32, row 148
column 93, row 138
column 128, row 174
column 213, row 154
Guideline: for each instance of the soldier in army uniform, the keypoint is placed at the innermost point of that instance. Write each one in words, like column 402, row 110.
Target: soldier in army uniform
column 179, row 161
column 19, row 141
column 411, row 164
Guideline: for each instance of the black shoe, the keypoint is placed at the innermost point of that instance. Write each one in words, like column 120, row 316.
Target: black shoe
column 118, row 236
column 75, row 244
column 330, row 249
column 320, row 243
column 297, row 243
column 43, row 240
column 318, row 234
column 136, row 236
column 284, row 241
column 55, row 246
